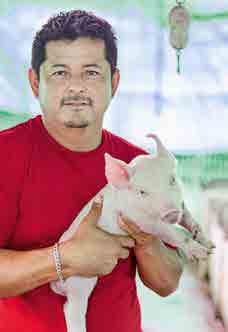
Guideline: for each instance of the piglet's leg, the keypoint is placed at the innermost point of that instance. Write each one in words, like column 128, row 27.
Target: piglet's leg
column 169, row 233
column 189, row 223
column 75, row 308
column 193, row 227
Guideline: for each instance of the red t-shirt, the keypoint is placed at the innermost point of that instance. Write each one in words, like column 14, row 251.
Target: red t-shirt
column 43, row 186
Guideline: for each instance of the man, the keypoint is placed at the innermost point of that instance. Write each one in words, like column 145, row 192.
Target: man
column 51, row 167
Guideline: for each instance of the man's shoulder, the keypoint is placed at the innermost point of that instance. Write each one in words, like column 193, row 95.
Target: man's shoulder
column 16, row 142
column 15, row 148
column 124, row 148
column 16, row 135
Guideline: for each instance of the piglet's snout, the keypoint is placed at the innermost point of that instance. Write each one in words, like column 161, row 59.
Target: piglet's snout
column 173, row 216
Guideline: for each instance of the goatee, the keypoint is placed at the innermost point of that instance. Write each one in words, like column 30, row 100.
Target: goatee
column 71, row 124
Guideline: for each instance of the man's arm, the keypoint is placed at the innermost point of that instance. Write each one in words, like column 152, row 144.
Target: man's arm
column 21, row 271
column 159, row 266
column 90, row 252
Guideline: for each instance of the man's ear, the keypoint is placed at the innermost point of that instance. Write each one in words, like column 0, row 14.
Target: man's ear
column 115, row 81
column 34, row 82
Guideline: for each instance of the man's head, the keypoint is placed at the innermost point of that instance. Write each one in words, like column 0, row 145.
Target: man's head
column 74, row 59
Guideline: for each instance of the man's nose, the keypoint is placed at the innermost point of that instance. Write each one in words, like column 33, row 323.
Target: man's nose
column 77, row 84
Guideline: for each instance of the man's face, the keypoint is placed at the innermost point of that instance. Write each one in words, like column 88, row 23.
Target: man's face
column 75, row 86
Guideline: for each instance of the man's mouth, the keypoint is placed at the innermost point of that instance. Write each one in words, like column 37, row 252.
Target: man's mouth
column 76, row 104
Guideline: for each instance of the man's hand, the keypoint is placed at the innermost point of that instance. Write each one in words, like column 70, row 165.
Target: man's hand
column 159, row 267
column 92, row 251
column 143, row 240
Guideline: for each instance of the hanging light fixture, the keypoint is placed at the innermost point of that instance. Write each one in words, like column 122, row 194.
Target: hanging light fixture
column 179, row 20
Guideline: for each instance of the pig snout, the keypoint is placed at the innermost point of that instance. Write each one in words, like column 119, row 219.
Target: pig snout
column 172, row 216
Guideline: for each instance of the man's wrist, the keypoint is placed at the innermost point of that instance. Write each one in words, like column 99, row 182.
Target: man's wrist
column 58, row 262
column 153, row 244
column 68, row 270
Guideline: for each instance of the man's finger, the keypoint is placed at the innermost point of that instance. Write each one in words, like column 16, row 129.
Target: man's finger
column 125, row 241
column 128, row 225
column 95, row 211
column 144, row 239
column 124, row 253
column 134, row 231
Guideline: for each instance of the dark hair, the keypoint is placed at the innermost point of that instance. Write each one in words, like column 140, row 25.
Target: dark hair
column 71, row 25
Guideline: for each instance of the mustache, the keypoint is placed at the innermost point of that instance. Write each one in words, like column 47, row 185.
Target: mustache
column 76, row 99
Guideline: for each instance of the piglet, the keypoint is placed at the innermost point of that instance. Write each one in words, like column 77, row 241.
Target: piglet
column 148, row 192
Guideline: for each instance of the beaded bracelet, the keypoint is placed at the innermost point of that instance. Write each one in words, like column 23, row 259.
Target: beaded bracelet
column 58, row 264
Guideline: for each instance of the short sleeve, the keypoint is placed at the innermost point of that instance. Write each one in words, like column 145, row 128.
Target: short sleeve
column 12, row 170
column 8, row 214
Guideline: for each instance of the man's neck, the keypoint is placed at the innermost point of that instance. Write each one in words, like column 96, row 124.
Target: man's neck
column 75, row 139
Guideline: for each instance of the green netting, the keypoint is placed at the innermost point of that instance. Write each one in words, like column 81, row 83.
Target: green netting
column 208, row 17
column 204, row 168
column 8, row 119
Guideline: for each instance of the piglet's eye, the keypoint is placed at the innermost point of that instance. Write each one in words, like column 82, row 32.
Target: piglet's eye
column 172, row 180
column 143, row 193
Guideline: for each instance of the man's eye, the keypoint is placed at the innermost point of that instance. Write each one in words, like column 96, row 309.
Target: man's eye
column 59, row 73
column 172, row 180
column 92, row 73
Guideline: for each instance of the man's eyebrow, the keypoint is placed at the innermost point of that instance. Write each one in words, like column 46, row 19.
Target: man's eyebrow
column 92, row 65
column 85, row 66
column 58, row 65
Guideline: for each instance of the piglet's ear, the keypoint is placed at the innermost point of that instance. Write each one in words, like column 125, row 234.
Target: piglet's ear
column 117, row 172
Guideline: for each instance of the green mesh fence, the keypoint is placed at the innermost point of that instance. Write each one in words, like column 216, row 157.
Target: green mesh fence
column 8, row 119
column 204, row 168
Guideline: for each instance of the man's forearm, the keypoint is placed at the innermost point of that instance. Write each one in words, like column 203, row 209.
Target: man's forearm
column 21, row 271
column 160, row 268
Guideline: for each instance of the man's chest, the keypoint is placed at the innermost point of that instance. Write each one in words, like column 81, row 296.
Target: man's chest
column 52, row 196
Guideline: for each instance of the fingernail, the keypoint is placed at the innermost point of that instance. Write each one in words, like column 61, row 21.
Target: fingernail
column 120, row 221
column 99, row 199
